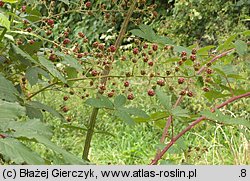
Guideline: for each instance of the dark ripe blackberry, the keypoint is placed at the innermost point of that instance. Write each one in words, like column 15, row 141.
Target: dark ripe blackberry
column 65, row 98
column 128, row 74
column 177, row 69
column 145, row 59
column 155, row 47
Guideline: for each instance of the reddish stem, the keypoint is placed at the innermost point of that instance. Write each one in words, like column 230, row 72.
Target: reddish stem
column 174, row 139
column 214, row 59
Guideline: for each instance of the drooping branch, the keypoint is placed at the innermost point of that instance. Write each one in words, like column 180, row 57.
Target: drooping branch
column 160, row 154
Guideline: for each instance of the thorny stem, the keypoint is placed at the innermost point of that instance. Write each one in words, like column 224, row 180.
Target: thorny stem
column 92, row 119
column 160, row 155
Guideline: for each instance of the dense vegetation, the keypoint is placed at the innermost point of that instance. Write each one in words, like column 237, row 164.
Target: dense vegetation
column 124, row 82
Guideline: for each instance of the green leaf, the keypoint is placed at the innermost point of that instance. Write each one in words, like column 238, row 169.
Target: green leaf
column 120, row 101
column 153, row 117
column 7, row 90
column 32, row 75
column 220, row 117
column 135, row 111
column 148, row 31
column 17, row 152
column 4, row 22
column 211, row 95
column 228, row 43
column 68, row 157
column 71, row 73
column 21, row 56
column 10, row 1
column 100, row 102
column 10, row 111
column 39, row 105
column 30, row 129
column 179, row 112
column 164, row 99
column 72, row 62
column 51, row 68
column 204, row 50
column 65, row 1
column 180, row 49
column 124, row 116
column 163, row 40
column 241, row 47
column 33, row 113
column 31, row 50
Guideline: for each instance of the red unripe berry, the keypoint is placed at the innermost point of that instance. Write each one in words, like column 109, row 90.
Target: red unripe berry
column 155, row 47
column 1, row 3
column 79, row 55
column 94, row 73
column 65, row 98
column 209, row 71
column 112, row 48
column 183, row 53
column 145, row 46
column 150, row 52
column 29, row 29
column 111, row 94
column 49, row 32
column 88, row 4
column 190, row 94
column 161, row 82
column 193, row 57
column 206, row 89
column 66, row 33
column 184, row 58
column 135, row 51
column 31, row 42
column 80, row 34
column 52, row 57
column 95, row 44
column 23, row 8
column 150, row 63
column 194, row 51
column 66, row 41
column 145, row 59
column 102, row 87
column 130, row 96
column 50, row 22
column 126, row 83
column 65, row 109
column 183, row 93
column 101, row 46
column 151, row 92
column 181, row 80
